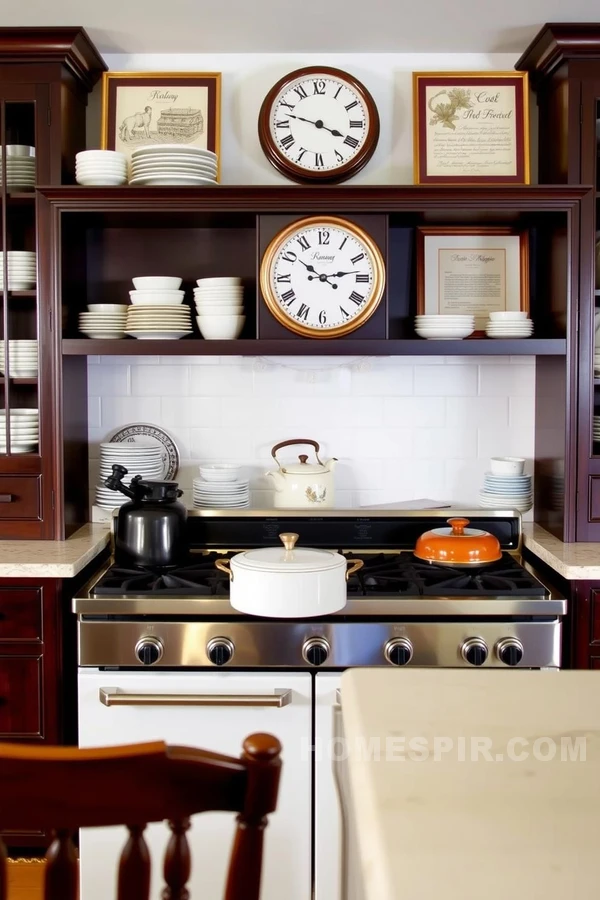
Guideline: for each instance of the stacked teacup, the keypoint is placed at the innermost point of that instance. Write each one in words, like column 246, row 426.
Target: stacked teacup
column 506, row 486
column 102, row 167
column 509, row 324
column 22, row 275
column 220, row 307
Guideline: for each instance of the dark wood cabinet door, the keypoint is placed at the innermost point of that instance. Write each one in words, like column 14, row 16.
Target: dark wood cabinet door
column 21, row 697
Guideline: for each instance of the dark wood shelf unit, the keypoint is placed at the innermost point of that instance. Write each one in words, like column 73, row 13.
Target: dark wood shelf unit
column 389, row 347
column 18, row 380
column 23, row 294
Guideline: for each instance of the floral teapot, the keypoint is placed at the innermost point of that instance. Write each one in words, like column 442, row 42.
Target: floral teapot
column 303, row 485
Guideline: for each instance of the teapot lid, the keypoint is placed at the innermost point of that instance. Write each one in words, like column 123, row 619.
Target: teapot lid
column 304, row 467
column 158, row 490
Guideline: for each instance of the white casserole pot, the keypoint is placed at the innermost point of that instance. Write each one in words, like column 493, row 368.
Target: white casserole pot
column 288, row 582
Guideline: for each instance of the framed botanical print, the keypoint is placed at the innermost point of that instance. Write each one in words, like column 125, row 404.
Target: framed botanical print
column 144, row 108
column 471, row 127
column 472, row 271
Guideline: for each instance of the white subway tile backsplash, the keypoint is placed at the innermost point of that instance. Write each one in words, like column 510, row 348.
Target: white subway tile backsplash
column 451, row 381
column 402, row 428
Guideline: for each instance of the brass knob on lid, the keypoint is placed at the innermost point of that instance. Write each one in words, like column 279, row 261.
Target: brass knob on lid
column 303, row 459
column 289, row 539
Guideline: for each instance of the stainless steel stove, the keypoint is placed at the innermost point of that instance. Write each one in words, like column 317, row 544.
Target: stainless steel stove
column 400, row 611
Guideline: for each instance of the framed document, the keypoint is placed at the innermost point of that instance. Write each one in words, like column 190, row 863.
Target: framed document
column 471, row 127
column 472, row 271
column 144, row 108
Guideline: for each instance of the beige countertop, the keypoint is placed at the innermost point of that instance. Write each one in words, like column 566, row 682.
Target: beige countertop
column 53, row 559
column 576, row 562
column 453, row 824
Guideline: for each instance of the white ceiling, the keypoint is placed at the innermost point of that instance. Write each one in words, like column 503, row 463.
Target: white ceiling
column 303, row 26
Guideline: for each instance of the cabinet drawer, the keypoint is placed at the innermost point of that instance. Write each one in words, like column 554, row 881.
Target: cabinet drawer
column 20, row 696
column 20, row 496
column 20, row 614
column 594, row 616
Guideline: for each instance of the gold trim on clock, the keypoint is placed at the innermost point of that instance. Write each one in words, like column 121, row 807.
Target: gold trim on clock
column 270, row 297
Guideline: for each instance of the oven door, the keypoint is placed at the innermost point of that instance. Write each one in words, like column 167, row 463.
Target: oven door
column 220, row 728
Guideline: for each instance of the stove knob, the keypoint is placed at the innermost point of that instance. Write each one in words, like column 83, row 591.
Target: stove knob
column 149, row 650
column 509, row 651
column 315, row 651
column 474, row 651
column 398, row 651
column 220, row 651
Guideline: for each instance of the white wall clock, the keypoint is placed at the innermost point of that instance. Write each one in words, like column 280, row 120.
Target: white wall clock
column 318, row 124
column 322, row 277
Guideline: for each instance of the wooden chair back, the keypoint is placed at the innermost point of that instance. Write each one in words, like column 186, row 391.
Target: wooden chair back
column 62, row 789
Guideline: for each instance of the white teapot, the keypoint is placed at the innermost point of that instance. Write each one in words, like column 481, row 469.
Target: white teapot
column 303, row 485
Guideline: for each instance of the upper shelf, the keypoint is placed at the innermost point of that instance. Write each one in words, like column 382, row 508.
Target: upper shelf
column 316, row 198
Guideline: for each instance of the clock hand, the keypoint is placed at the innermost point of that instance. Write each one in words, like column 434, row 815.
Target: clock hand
column 316, row 276
column 340, row 274
column 317, row 124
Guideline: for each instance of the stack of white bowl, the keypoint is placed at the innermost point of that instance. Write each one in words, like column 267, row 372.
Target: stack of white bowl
column 162, row 164
column 220, row 307
column 20, row 167
column 102, row 167
column 596, row 431
column 22, row 273
column 22, row 359
column 509, row 324
column 506, row 486
column 444, row 328
column 139, row 459
column 104, row 321
column 220, row 487
column 24, row 430
column 157, row 311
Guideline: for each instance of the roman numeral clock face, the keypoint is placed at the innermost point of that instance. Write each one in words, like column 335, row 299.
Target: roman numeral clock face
column 319, row 124
column 322, row 277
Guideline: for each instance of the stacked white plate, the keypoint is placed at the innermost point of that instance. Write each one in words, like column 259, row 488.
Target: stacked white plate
column 103, row 167
column 444, row 328
column 221, row 495
column 138, row 458
column 20, row 167
column 22, row 273
column 158, row 323
column 509, row 325
column 22, row 359
column 104, row 321
column 596, row 427
column 24, row 430
column 161, row 164
column 220, row 307
column 506, row 492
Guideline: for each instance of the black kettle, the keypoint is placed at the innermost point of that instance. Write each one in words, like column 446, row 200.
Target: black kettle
column 151, row 528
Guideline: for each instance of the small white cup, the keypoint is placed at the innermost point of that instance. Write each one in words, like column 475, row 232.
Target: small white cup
column 507, row 316
column 507, row 465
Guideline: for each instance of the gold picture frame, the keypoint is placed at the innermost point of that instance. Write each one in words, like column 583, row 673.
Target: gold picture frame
column 471, row 128
column 141, row 99
column 513, row 243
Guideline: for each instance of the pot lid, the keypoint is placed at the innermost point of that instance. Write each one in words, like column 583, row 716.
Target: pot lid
column 288, row 558
column 459, row 532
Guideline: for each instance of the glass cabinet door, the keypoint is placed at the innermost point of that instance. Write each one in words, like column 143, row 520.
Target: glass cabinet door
column 19, row 318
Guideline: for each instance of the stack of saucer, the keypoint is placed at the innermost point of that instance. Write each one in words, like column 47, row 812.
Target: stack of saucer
column 161, row 164
column 158, row 323
column 20, row 167
column 220, row 487
column 596, row 429
column 24, row 430
column 22, row 359
column 104, row 167
column 509, row 325
column 444, row 328
column 139, row 459
column 220, row 307
column 104, row 321
column 506, row 486
column 22, row 275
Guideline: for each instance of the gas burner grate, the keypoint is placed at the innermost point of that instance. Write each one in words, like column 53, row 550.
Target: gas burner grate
column 199, row 579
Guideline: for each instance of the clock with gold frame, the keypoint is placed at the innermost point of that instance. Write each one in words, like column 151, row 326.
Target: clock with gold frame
column 322, row 277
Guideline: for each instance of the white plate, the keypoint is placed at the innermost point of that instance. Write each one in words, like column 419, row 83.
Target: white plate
column 101, row 180
column 158, row 335
column 180, row 165
column 164, row 181
column 145, row 434
column 103, row 335
column 176, row 149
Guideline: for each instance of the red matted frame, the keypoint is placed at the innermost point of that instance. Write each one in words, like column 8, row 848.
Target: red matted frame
column 423, row 80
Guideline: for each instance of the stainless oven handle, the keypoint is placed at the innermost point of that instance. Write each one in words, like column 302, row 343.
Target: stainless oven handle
column 116, row 697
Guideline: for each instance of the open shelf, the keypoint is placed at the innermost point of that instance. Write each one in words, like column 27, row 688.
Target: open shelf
column 23, row 294
column 407, row 347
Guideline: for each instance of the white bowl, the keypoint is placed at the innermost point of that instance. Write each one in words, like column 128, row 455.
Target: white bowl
column 512, row 465
column 507, row 316
column 100, row 154
column 101, row 180
column 103, row 335
column 220, row 328
column 156, row 283
column 107, row 308
column 219, row 281
column 232, row 290
column 218, row 309
column 223, row 473
column 444, row 334
column 157, row 298
column 20, row 150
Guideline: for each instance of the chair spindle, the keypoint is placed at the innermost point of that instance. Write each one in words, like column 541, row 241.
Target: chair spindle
column 178, row 864
column 3, row 871
column 62, row 875
column 134, row 867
